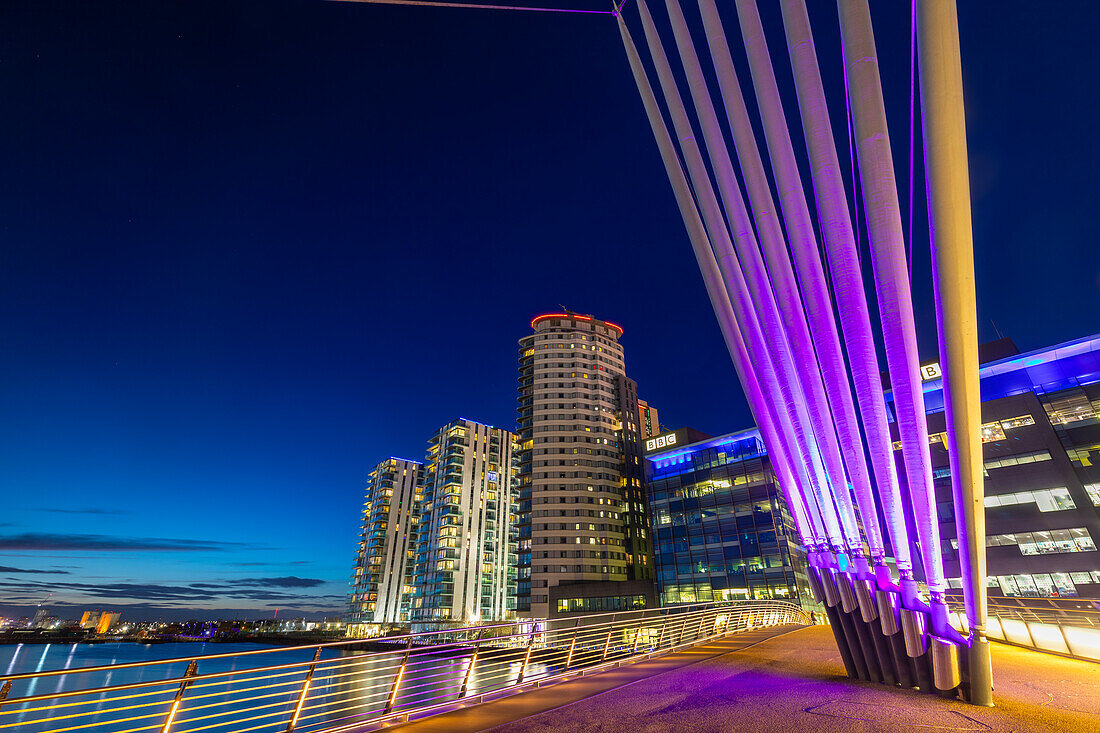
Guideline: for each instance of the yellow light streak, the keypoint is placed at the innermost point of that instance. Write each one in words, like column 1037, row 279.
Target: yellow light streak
column 171, row 715
column 396, row 686
column 243, row 720
column 235, row 710
column 24, row 710
column 301, row 702
column 223, row 693
column 199, row 685
column 347, row 700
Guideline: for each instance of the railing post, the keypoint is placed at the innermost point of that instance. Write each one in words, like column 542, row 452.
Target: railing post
column 572, row 645
column 683, row 628
column 699, row 631
column 192, row 670
column 661, row 636
column 607, row 642
column 305, row 691
column 526, row 657
column 637, row 639
column 397, row 679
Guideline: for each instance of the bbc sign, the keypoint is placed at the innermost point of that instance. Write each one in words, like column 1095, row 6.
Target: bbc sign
column 929, row 372
column 661, row 441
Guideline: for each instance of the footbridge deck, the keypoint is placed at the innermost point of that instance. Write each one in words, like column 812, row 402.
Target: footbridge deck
column 788, row 679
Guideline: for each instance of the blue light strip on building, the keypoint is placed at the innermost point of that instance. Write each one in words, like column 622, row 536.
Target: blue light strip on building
column 1051, row 369
column 678, row 456
column 1046, row 370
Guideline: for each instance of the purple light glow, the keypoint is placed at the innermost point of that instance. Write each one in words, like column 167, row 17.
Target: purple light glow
column 764, row 350
column 891, row 276
column 740, row 311
column 844, row 264
column 833, row 376
column 789, row 345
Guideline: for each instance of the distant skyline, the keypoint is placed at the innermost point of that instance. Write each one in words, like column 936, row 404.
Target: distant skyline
column 250, row 249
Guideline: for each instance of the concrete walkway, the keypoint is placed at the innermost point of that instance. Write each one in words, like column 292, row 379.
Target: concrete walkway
column 784, row 680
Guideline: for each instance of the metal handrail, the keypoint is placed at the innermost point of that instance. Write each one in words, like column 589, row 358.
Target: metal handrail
column 1039, row 609
column 1044, row 624
column 335, row 688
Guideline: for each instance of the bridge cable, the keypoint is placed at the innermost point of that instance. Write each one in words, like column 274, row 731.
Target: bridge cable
column 479, row 6
column 912, row 119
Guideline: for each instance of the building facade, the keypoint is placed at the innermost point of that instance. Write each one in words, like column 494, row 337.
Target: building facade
column 1041, row 446
column 649, row 423
column 108, row 620
column 582, row 518
column 382, row 577
column 466, row 546
column 723, row 530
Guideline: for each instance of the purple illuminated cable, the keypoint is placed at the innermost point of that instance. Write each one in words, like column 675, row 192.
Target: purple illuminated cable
column 806, row 513
column 807, row 519
column 835, row 387
column 763, row 350
column 781, row 307
column 912, row 118
column 785, row 386
column 887, row 241
column 740, row 310
column 844, row 264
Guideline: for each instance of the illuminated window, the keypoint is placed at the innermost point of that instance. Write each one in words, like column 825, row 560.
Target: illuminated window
column 1085, row 457
column 1093, row 491
column 1044, row 585
column 1048, row 500
column 992, row 431
column 1017, row 422
column 1048, row 542
column 1071, row 408
column 1017, row 460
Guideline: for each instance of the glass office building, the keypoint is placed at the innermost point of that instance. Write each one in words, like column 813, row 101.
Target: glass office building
column 723, row 530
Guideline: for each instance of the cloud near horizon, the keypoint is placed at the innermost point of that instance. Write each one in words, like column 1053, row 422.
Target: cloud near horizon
column 268, row 564
column 202, row 593
column 46, row 542
column 9, row 569
column 290, row 581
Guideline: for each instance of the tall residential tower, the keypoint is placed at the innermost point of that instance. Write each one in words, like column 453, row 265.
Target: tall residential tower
column 583, row 529
column 466, row 548
column 382, row 580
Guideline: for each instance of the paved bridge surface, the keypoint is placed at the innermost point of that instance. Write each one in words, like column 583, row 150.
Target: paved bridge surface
column 786, row 679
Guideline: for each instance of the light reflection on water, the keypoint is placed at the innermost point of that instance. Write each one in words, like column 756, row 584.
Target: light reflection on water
column 352, row 691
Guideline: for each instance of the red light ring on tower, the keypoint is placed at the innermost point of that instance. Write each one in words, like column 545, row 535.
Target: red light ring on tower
column 544, row 316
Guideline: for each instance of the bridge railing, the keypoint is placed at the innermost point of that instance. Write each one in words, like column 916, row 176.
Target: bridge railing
column 339, row 687
column 1066, row 626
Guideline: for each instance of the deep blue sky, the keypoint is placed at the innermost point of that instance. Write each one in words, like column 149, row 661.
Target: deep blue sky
column 250, row 249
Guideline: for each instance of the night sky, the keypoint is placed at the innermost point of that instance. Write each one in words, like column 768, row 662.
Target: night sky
column 251, row 249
